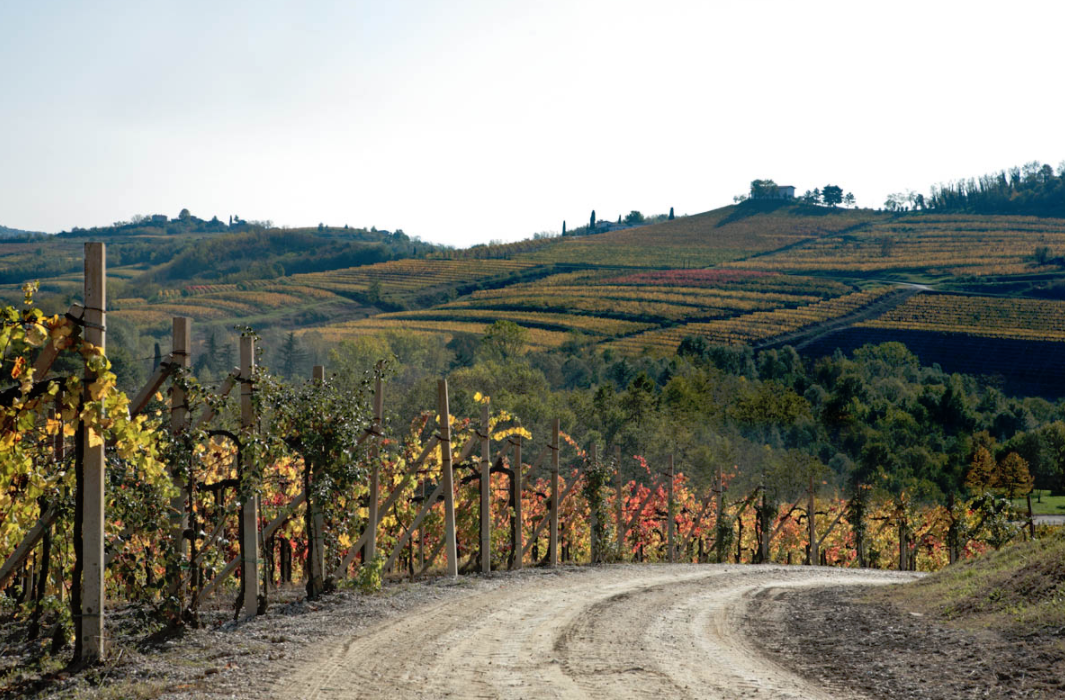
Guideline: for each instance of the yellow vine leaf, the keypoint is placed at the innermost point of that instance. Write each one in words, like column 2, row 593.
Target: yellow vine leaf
column 37, row 335
column 95, row 440
column 98, row 388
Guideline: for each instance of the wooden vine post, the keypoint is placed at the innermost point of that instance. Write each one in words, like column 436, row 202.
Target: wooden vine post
column 671, row 550
column 249, row 509
column 593, row 461
column 618, row 502
column 719, row 545
column 516, row 484
column 486, row 491
column 317, row 563
column 812, row 558
column 375, row 472
column 552, row 546
column 903, row 549
column 91, row 625
column 181, row 356
column 448, row 477
column 765, row 526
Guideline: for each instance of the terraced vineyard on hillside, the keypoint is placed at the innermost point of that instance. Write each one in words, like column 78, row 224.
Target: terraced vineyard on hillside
column 759, row 273
column 751, row 328
column 403, row 278
column 597, row 305
column 228, row 306
column 989, row 317
column 951, row 245
column 702, row 240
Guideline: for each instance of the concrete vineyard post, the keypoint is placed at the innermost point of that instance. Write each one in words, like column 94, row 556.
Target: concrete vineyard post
column 313, row 501
column 375, row 472
column 449, row 481
column 249, row 509
column 552, row 546
column 516, row 488
column 181, row 354
column 669, row 516
column 91, row 624
column 486, row 491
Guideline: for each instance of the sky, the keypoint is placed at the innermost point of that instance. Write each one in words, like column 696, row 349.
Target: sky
column 465, row 121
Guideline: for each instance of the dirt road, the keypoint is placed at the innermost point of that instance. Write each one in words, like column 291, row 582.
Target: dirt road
column 613, row 632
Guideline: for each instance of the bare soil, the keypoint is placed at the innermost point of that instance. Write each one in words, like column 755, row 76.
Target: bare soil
column 848, row 638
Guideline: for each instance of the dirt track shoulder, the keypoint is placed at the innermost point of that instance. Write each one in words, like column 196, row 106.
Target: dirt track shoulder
column 848, row 638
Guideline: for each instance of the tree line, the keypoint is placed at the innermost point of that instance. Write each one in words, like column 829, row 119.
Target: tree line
column 876, row 418
column 1034, row 188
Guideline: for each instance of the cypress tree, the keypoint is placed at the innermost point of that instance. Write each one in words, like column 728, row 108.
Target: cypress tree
column 671, row 213
column 591, row 224
column 563, row 227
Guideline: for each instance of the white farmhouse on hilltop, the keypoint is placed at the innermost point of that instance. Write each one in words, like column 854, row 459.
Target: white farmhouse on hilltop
column 785, row 192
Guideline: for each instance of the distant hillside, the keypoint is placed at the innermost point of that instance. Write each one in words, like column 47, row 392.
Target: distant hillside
column 758, row 273
column 731, row 233
column 154, row 254
column 267, row 254
column 7, row 232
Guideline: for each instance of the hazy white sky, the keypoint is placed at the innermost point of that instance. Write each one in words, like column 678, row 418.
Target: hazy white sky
column 464, row 121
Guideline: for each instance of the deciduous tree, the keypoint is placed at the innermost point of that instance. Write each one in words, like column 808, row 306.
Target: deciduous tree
column 1013, row 476
column 832, row 195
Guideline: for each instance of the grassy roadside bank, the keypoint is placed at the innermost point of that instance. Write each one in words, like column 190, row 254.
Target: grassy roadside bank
column 1018, row 590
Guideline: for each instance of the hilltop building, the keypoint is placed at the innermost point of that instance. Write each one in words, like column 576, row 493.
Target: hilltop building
column 767, row 189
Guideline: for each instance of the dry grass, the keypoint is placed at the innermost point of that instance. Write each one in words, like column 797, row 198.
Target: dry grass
column 1018, row 589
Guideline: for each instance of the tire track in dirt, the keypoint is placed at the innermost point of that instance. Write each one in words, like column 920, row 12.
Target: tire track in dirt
column 613, row 632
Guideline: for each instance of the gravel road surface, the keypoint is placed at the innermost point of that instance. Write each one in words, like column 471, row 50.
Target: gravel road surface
column 656, row 631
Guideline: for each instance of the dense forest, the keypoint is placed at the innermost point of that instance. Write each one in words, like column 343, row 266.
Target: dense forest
column 875, row 419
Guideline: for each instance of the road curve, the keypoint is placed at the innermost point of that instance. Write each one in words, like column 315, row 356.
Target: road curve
column 618, row 632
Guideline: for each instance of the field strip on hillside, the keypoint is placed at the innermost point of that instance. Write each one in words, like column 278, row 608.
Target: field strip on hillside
column 660, row 631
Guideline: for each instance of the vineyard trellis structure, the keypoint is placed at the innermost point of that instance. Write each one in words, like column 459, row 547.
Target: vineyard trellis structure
column 439, row 482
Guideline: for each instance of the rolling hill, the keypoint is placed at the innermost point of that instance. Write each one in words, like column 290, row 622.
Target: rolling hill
column 760, row 273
